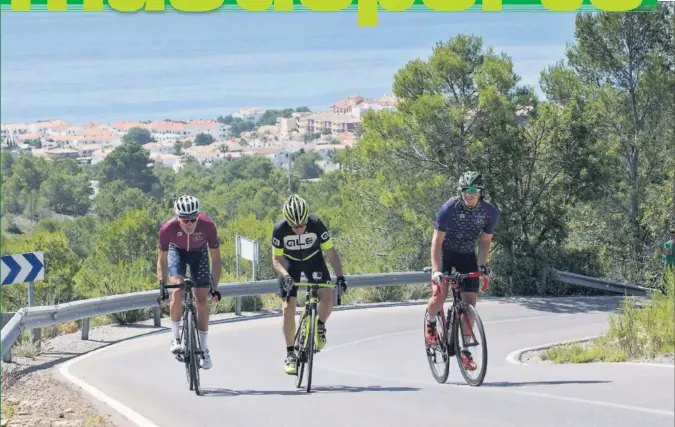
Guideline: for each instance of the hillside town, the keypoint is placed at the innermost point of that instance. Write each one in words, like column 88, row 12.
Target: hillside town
column 208, row 141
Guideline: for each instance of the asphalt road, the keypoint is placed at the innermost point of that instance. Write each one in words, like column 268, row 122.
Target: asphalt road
column 373, row 370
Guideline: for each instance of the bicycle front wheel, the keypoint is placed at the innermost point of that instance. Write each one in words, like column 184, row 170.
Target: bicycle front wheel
column 437, row 356
column 466, row 342
column 185, row 352
column 192, row 353
column 310, row 349
column 300, row 350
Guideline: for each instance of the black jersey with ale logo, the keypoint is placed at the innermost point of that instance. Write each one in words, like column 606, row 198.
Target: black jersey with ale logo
column 301, row 247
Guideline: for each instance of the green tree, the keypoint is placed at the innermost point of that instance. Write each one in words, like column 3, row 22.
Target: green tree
column 459, row 110
column 270, row 117
column 204, row 139
column 115, row 198
column 67, row 189
column 129, row 163
column 138, row 135
column 624, row 63
column 177, row 148
column 305, row 167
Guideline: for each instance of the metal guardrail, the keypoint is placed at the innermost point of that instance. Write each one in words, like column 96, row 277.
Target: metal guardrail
column 43, row 316
column 602, row 284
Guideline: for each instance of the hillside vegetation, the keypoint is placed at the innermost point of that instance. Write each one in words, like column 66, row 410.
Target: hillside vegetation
column 584, row 180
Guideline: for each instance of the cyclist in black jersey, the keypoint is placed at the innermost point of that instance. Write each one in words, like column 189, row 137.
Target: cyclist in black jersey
column 298, row 241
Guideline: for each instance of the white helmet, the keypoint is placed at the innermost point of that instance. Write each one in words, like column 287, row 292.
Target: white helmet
column 186, row 206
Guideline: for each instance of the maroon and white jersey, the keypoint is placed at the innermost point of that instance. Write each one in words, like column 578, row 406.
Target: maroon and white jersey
column 205, row 233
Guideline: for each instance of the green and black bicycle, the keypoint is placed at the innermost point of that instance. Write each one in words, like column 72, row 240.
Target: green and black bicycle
column 306, row 348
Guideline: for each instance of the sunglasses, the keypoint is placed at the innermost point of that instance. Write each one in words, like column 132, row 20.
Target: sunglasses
column 470, row 190
column 297, row 227
column 187, row 221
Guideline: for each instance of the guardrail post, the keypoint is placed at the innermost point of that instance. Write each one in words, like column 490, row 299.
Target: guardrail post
column 36, row 333
column 85, row 329
column 157, row 312
column 6, row 317
column 237, row 306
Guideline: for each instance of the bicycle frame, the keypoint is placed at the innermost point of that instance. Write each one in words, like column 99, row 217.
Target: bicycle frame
column 193, row 352
column 452, row 281
column 304, row 347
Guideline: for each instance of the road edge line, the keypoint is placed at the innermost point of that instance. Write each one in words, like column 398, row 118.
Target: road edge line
column 118, row 406
column 514, row 356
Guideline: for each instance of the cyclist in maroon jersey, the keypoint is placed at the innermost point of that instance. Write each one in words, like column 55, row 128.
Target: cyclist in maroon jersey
column 187, row 239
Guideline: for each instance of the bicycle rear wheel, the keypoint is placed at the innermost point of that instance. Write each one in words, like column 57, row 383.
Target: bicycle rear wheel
column 438, row 354
column 310, row 349
column 192, row 353
column 300, row 350
column 472, row 377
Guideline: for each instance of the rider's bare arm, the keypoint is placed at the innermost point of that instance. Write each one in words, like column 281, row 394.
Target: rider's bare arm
column 335, row 262
column 436, row 244
column 484, row 248
column 279, row 263
column 162, row 265
column 216, row 265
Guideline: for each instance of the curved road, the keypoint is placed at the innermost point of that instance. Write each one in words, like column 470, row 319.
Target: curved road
column 373, row 370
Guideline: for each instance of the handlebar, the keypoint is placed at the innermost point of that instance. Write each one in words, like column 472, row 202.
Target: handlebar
column 455, row 276
column 163, row 286
column 308, row 284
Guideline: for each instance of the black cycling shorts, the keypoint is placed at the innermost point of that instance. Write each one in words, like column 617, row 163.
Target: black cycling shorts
column 198, row 261
column 463, row 263
column 308, row 267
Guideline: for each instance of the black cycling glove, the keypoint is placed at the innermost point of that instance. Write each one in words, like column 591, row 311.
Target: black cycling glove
column 214, row 293
column 340, row 281
column 163, row 294
column 287, row 283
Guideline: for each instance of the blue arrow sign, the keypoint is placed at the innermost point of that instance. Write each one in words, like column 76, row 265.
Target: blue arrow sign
column 22, row 268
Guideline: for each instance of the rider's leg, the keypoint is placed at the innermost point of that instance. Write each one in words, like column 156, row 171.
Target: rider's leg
column 288, row 328
column 199, row 271
column 176, row 273
column 438, row 296
column 288, row 308
column 469, row 287
column 325, row 306
column 469, row 292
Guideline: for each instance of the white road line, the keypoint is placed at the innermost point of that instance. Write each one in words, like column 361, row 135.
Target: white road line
column 129, row 413
column 653, row 365
column 496, row 390
column 141, row 421
column 514, row 356
column 419, row 330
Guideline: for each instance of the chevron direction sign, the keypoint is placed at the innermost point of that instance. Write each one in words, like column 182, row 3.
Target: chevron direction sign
column 22, row 268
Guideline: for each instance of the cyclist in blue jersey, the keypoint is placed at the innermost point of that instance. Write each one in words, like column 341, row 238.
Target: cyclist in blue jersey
column 461, row 221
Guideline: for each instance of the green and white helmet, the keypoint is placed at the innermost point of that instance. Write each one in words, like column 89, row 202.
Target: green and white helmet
column 471, row 179
column 295, row 210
